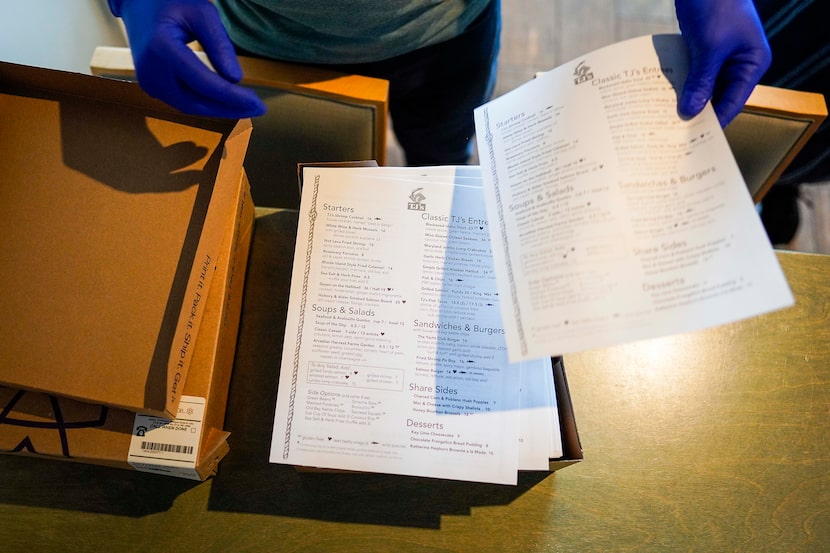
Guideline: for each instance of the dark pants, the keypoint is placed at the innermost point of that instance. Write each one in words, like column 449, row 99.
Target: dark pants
column 796, row 31
column 433, row 90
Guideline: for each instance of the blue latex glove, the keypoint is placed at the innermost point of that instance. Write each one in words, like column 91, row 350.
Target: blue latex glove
column 729, row 55
column 158, row 32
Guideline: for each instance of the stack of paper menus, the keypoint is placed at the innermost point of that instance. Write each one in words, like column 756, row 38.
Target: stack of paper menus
column 394, row 358
column 425, row 303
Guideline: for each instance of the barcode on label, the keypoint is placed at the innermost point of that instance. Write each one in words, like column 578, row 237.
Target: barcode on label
column 167, row 448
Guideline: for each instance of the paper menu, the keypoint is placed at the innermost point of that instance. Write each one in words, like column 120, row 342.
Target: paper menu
column 398, row 362
column 539, row 433
column 613, row 218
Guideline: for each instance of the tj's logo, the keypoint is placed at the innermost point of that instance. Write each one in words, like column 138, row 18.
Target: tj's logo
column 416, row 200
column 582, row 73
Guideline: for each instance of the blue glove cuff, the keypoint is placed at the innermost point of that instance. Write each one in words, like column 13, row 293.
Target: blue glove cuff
column 115, row 7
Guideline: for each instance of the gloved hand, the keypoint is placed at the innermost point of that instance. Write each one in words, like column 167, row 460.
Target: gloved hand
column 158, row 32
column 729, row 55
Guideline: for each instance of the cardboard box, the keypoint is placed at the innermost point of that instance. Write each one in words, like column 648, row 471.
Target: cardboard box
column 113, row 207
column 42, row 425
column 571, row 446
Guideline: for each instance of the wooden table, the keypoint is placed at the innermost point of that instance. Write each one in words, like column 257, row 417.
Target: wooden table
column 712, row 441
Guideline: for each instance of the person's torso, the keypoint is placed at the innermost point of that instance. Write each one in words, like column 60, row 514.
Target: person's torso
column 344, row 31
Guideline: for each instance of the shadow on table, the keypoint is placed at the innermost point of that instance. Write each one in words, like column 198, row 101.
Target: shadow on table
column 257, row 487
column 46, row 483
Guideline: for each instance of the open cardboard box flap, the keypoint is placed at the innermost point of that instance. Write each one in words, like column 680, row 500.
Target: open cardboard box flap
column 43, row 425
column 113, row 209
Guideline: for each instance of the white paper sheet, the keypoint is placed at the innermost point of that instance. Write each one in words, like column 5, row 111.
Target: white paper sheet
column 539, row 434
column 612, row 218
column 398, row 362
